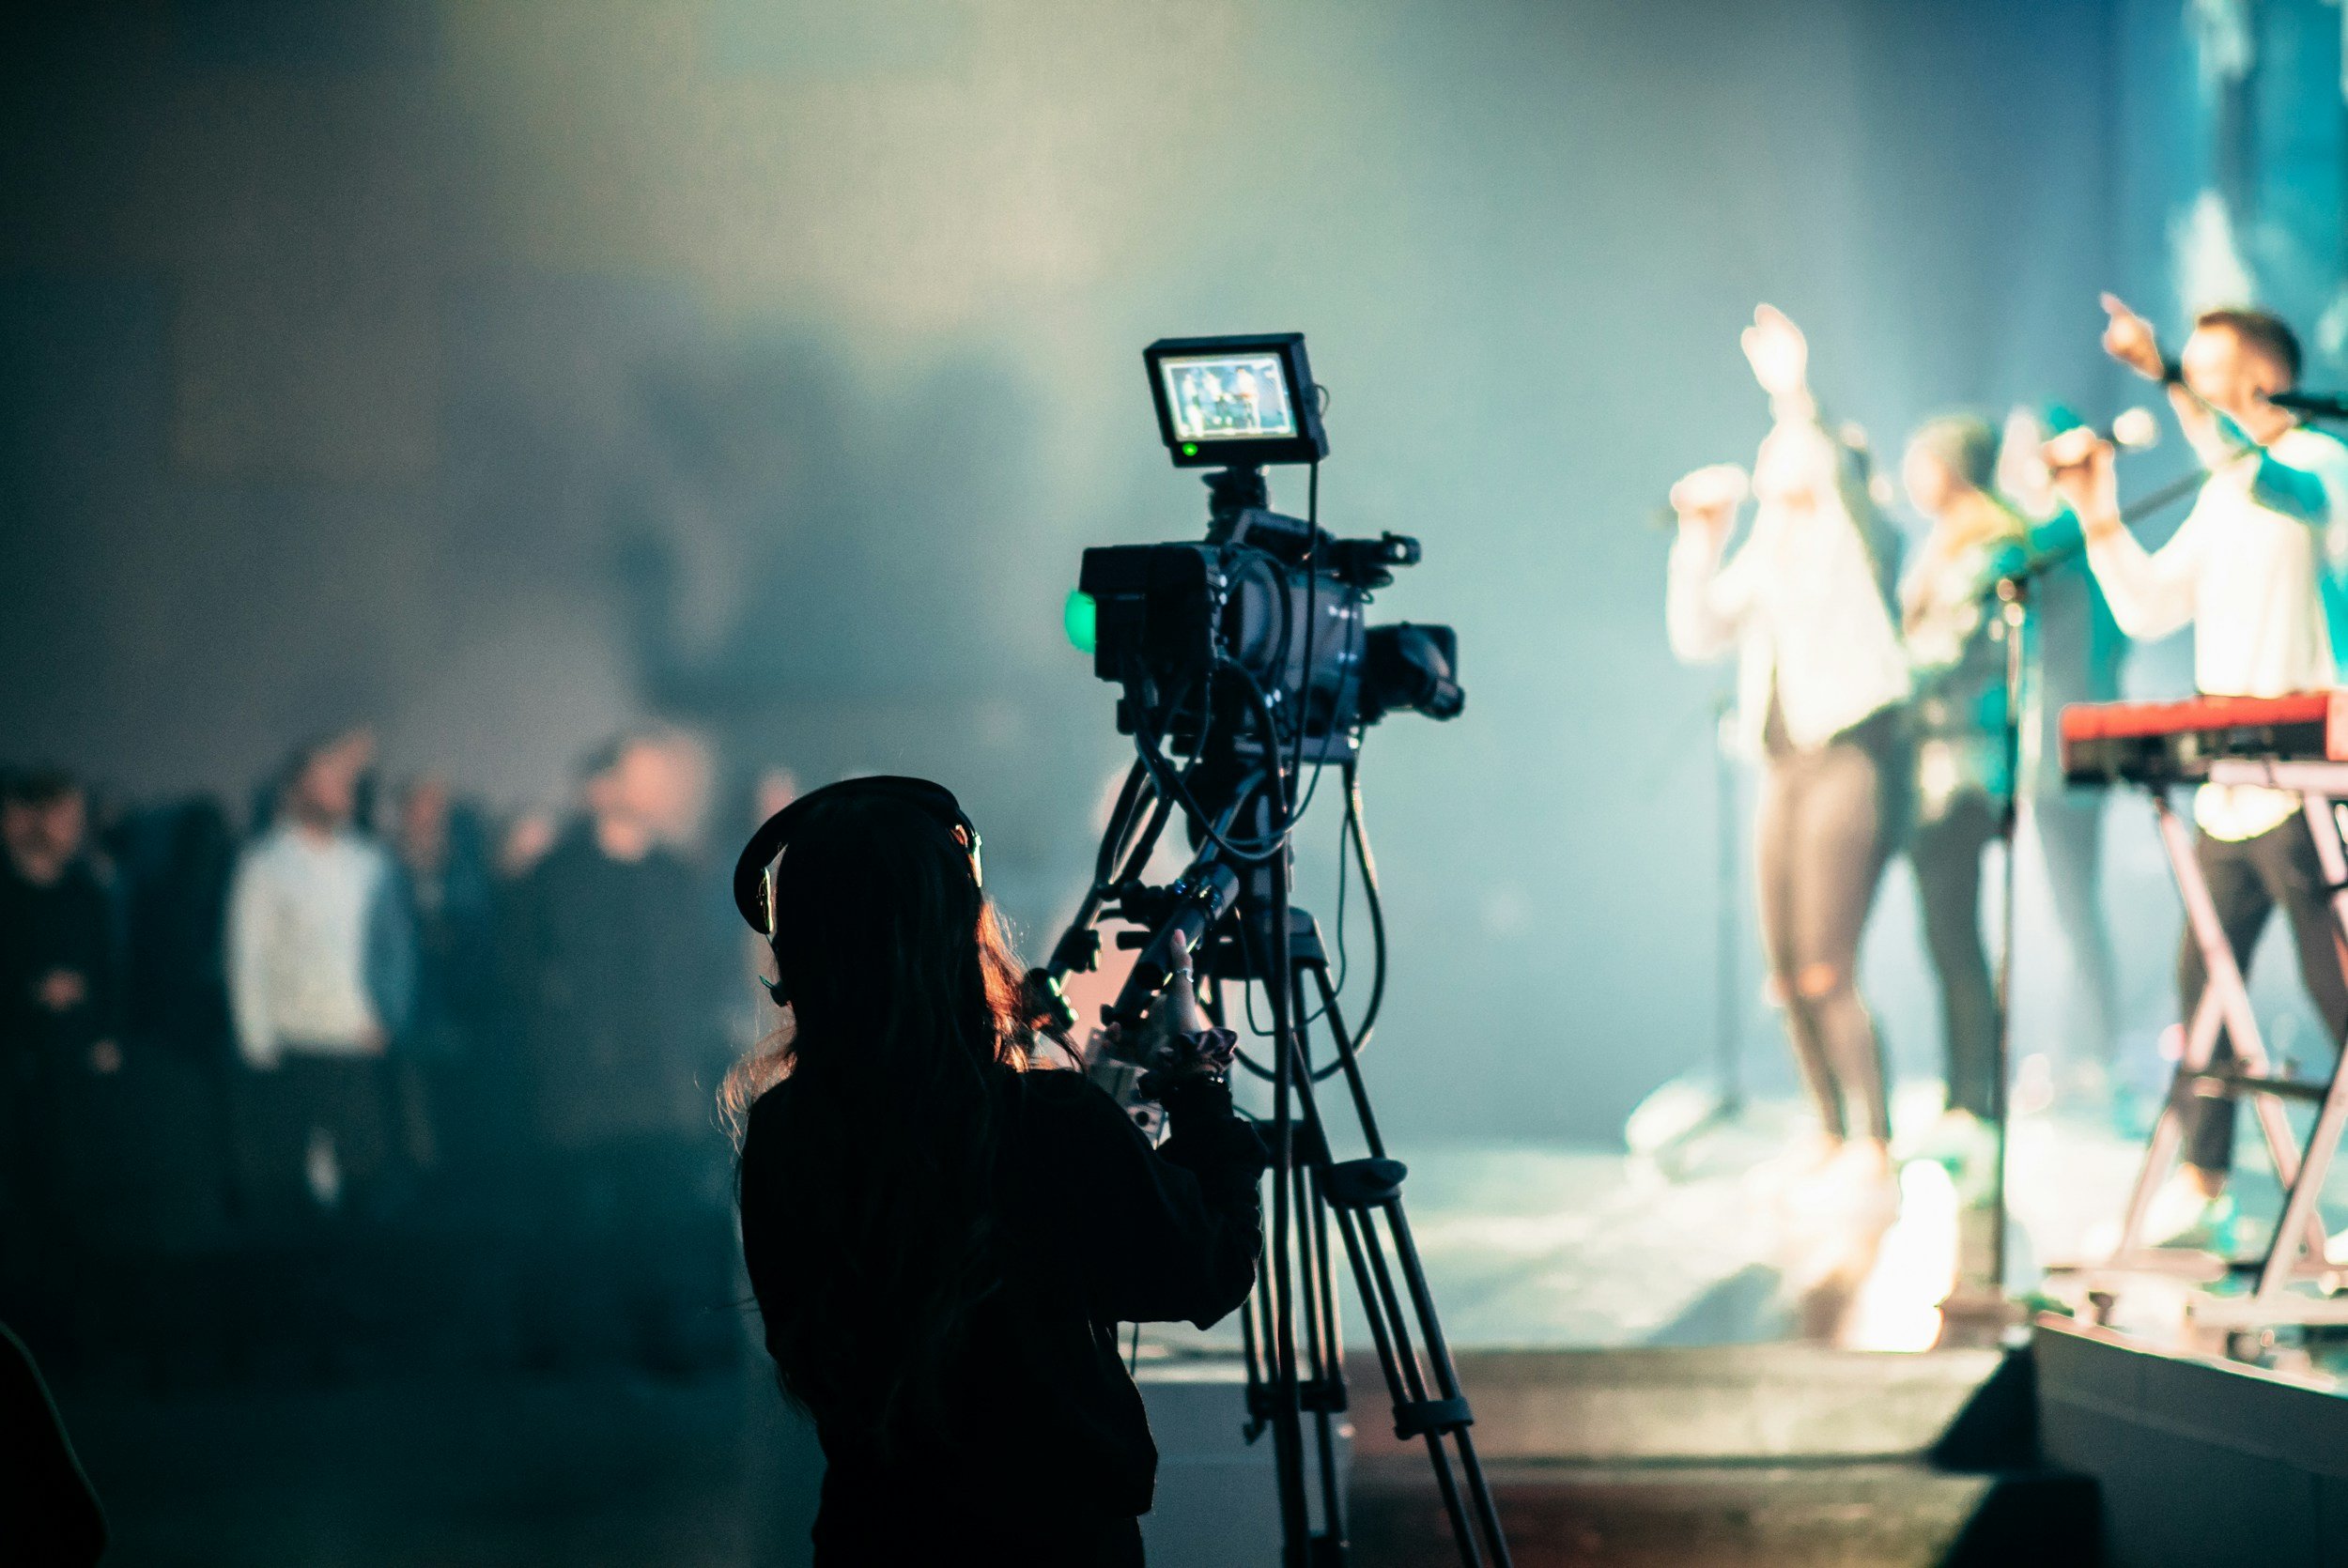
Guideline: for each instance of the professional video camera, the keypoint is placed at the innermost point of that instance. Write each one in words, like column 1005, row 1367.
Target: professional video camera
column 1250, row 656
column 1261, row 634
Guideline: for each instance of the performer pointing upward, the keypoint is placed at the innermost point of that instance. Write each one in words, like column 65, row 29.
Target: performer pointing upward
column 2245, row 569
column 1822, row 682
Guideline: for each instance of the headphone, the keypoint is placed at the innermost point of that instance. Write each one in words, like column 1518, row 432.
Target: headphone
column 754, row 872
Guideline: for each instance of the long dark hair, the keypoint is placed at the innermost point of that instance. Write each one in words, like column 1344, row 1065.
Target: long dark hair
column 904, row 1018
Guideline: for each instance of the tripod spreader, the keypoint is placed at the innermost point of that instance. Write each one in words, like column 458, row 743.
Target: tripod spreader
column 1363, row 1183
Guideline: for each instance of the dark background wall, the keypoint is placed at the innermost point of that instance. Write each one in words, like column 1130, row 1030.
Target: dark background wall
column 502, row 373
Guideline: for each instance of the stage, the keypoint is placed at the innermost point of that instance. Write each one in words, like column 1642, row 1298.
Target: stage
column 1565, row 1247
column 1663, row 1370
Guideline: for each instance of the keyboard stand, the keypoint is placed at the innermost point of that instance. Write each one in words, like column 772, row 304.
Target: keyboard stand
column 2296, row 1254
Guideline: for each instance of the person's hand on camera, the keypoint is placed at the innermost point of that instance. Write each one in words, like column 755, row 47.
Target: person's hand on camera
column 1178, row 1039
column 1177, row 1011
column 1172, row 1013
column 2128, row 338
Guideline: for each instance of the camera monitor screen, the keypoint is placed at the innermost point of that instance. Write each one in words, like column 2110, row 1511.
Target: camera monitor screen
column 1243, row 400
column 1219, row 398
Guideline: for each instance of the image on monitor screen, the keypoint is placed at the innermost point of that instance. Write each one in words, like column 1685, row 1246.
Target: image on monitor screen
column 1228, row 397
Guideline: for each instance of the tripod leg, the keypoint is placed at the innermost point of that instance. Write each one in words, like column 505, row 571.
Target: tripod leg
column 1286, row 1412
column 1331, row 1328
column 1446, row 1378
column 1255, row 1345
column 1318, row 1283
column 1405, row 1384
column 1379, row 1310
column 1374, row 1185
column 1324, row 1388
column 1254, row 1314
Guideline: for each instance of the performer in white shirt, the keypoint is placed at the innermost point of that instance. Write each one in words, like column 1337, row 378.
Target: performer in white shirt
column 1804, row 602
column 2245, row 569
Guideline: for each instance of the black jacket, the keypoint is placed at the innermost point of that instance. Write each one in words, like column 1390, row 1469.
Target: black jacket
column 67, row 925
column 46, row 1073
column 618, row 993
column 1043, row 1427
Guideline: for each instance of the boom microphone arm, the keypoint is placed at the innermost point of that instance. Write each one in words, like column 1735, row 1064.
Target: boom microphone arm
column 2324, row 405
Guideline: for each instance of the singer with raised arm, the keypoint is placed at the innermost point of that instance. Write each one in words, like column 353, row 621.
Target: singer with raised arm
column 2245, row 569
column 1804, row 603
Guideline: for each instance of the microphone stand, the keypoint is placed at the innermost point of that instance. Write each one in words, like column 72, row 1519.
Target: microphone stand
column 1673, row 1147
column 2014, row 602
column 2312, row 405
column 1728, row 926
column 2014, row 591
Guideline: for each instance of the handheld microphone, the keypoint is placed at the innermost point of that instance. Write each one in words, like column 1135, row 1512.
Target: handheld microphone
column 2130, row 430
column 2312, row 405
column 2133, row 430
column 1723, row 484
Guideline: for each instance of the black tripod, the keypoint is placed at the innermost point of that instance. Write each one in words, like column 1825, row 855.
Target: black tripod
column 1235, row 909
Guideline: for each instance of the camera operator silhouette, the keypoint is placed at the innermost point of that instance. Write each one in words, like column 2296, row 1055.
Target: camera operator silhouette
column 942, row 1236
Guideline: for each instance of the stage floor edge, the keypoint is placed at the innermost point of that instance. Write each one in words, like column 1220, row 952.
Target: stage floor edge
column 2199, row 1460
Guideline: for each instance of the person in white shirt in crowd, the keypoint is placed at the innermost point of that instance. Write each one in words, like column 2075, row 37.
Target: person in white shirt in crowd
column 320, row 970
column 2245, row 569
column 1822, row 683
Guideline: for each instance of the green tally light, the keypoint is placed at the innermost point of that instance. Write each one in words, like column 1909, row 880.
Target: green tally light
column 1190, row 449
column 1081, row 616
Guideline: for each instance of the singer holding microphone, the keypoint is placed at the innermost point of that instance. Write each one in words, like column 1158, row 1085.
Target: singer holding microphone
column 1956, row 640
column 2245, row 569
column 1822, row 685
column 1972, row 755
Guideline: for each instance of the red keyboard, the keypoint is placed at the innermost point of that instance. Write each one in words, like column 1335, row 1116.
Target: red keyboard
column 2174, row 742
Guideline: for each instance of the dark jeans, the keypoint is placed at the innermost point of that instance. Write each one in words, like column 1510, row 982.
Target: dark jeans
column 2246, row 880
column 1822, row 829
column 310, row 1099
column 1947, row 855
